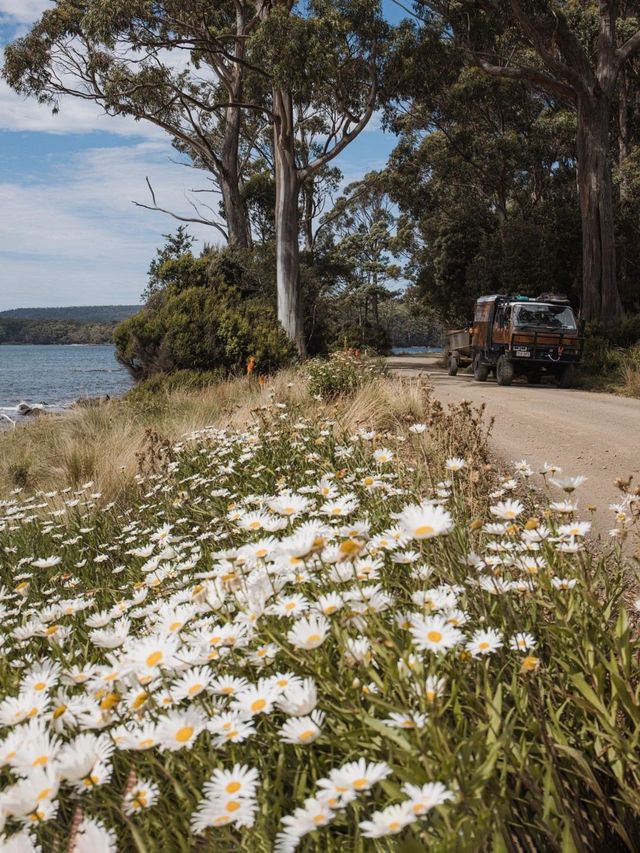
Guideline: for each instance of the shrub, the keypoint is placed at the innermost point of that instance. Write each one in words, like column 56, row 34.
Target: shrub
column 202, row 329
column 341, row 374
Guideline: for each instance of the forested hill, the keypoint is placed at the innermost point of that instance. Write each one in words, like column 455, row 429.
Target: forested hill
column 74, row 313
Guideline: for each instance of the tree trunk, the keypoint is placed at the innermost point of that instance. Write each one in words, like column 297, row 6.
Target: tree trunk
column 600, row 297
column 307, row 218
column 286, row 215
column 234, row 208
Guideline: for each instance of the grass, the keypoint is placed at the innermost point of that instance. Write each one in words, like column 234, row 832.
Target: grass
column 353, row 573
column 609, row 368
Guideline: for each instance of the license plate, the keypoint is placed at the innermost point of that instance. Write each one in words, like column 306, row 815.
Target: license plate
column 523, row 353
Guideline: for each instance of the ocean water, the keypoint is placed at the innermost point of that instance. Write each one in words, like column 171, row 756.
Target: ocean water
column 414, row 350
column 58, row 375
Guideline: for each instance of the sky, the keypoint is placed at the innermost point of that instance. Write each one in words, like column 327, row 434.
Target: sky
column 70, row 233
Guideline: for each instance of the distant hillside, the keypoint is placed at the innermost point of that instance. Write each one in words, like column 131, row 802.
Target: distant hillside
column 74, row 314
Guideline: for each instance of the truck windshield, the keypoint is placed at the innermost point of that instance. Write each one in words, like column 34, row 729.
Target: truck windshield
column 548, row 316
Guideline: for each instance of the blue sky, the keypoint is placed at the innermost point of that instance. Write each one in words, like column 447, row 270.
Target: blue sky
column 69, row 231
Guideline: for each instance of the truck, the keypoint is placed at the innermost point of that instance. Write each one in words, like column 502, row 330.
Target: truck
column 514, row 336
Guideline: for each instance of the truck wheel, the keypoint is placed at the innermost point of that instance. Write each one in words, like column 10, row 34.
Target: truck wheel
column 567, row 376
column 480, row 370
column 452, row 365
column 504, row 371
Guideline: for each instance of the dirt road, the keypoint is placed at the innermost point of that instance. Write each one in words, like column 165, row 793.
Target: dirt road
column 593, row 434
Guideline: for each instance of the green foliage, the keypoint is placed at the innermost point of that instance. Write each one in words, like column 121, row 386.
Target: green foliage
column 54, row 332
column 341, row 374
column 200, row 321
column 98, row 314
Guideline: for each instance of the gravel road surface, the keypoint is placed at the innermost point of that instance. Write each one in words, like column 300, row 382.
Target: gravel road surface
column 585, row 433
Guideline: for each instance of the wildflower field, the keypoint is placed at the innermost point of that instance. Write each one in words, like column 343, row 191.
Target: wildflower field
column 305, row 633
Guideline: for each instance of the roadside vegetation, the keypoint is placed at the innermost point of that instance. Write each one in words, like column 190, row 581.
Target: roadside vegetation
column 308, row 615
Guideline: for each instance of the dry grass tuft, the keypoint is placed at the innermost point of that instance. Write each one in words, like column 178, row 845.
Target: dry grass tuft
column 103, row 443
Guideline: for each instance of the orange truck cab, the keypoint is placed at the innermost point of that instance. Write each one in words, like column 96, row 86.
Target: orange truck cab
column 519, row 336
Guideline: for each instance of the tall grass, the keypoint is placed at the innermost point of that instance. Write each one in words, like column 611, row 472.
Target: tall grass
column 104, row 444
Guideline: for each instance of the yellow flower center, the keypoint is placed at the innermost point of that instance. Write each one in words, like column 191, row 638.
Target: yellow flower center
column 434, row 636
column 154, row 658
column 44, row 793
column 258, row 705
column 39, row 685
column 306, row 735
column 232, row 787
column 184, row 733
column 483, row 645
column 424, row 530
column 358, row 784
column 195, row 689
column 232, row 806
column 40, row 761
column 146, row 742
column 314, row 638
column 394, row 825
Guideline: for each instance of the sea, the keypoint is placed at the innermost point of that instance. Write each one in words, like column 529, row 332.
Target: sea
column 414, row 350
column 57, row 375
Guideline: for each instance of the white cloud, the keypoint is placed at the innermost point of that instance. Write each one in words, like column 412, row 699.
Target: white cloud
column 74, row 236
column 22, row 11
column 75, row 116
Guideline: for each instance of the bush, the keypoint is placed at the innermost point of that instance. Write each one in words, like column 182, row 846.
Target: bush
column 202, row 328
column 341, row 374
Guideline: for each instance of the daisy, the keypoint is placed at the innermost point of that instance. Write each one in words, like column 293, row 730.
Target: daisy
column 577, row 528
column 302, row 730
column 180, row 729
column 410, row 720
column 223, row 811
column 228, row 685
column 142, row 796
column 434, row 634
column 329, row 604
column 563, row 583
column 258, row 699
column 241, row 782
column 389, row 821
column 507, row 510
column 192, row 683
column 230, row 727
column 340, row 506
column 298, row 698
column 308, row 633
column 417, row 428
column 424, row 521
column 522, row 642
column 382, row 455
column 484, row 642
column 455, row 463
column 422, row 798
column 568, row 484
column 357, row 776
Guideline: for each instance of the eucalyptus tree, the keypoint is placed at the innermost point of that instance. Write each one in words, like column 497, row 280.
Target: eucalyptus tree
column 483, row 176
column 178, row 64
column 575, row 53
column 199, row 69
column 323, row 61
